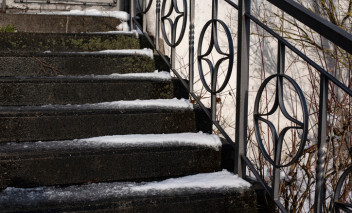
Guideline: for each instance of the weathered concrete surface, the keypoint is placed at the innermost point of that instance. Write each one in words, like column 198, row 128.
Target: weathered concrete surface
column 31, row 167
column 64, row 90
column 52, row 64
column 66, row 42
column 58, row 23
column 40, row 125
column 188, row 200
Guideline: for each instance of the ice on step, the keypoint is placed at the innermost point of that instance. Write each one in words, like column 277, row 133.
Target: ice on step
column 93, row 12
column 200, row 183
column 115, row 141
column 156, row 75
column 132, row 32
column 182, row 104
column 143, row 52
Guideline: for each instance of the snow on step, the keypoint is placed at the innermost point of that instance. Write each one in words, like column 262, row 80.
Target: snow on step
column 132, row 32
column 124, row 16
column 115, row 141
column 144, row 52
column 163, row 104
column 206, row 182
column 156, row 75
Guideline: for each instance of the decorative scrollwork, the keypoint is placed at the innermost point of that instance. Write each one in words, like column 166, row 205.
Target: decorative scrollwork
column 338, row 205
column 166, row 17
column 279, row 103
column 145, row 10
column 215, row 43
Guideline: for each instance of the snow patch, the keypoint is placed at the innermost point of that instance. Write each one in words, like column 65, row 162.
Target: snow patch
column 132, row 32
column 134, row 104
column 201, row 183
column 144, row 52
column 136, row 140
column 93, row 12
column 223, row 179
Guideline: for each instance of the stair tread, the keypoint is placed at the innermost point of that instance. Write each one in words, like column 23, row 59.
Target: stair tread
column 105, row 107
column 201, row 140
column 222, row 182
column 123, row 52
column 155, row 76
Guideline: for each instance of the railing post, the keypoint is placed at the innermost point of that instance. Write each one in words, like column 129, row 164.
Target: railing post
column 131, row 14
column 242, row 85
column 3, row 5
column 144, row 16
column 157, row 24
column 322, row 122
column 191, row 44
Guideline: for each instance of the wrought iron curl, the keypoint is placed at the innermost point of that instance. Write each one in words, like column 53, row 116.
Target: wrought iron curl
column 215, row 43
column 338, row 205
column 148, row 6
column 279, row 103
column 173, row 24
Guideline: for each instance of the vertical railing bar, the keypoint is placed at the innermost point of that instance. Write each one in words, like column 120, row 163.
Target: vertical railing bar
column 191, row 44
column 322, row 143
column 144, row 15
column 278, row 143
column 3, row 5
column 157, row 24
column 131, row 14
column 242, row 85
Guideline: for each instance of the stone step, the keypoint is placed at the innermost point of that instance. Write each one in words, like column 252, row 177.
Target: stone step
column 65, row 122
column 66, row 42
column 76, row 63
column 206, row 192
column 89, row 89
column 46, row 23
column 108, row 158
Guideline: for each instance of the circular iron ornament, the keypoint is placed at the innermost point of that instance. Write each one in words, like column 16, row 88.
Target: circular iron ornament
column 165, row 17
column 279, row 103
column 228, row 56
column 340, row 184
column 147, row 8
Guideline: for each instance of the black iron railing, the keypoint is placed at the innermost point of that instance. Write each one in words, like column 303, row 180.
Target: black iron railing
column 186, row 12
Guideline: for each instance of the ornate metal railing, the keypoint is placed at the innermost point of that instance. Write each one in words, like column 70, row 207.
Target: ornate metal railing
column 333, row 33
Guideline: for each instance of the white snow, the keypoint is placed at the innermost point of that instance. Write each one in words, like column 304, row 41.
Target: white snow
column 156, row 75
column 203, row 183
column 132, row 32
column 133, row 104
column 223, row 179
column 146, row 52
column 92, row 12
column 136, row 140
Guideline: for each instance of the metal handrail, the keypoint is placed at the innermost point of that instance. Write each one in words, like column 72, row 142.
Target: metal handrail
column 333, row 33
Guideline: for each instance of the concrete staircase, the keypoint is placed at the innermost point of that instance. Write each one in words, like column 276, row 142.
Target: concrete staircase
column 59, row 89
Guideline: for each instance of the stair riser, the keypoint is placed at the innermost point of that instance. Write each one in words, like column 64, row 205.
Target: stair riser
column 124, row 164
column 239, row 201
column 66, row 42
column 74, row 65
column 81, row 92
column 58, row 23
column 61, row 127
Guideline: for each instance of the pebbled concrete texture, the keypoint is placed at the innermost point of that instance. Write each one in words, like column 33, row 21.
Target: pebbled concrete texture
column 60, row 125
column 78, row 64
column 41, row 42
column 58, row 23
column 81, row 91
column 188, row 200
column 62, row 167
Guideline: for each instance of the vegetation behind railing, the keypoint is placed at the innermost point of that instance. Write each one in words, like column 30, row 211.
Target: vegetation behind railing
column 300, row 125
